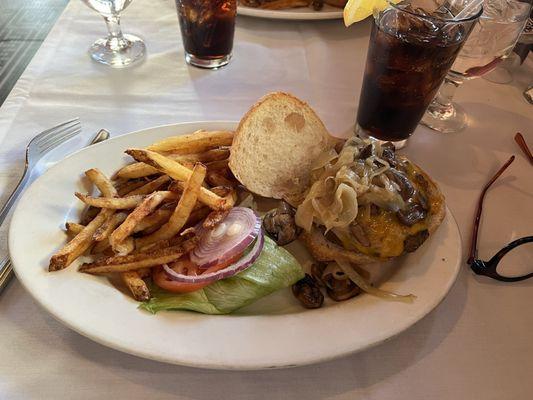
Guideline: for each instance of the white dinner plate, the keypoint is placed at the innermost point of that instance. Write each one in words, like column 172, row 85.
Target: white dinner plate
column 274, row 332
column 300, row 13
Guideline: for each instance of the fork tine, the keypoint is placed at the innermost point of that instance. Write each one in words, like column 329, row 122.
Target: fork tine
column 51, row 134
column 47, row 133
column 56, row 140
column 58, row 133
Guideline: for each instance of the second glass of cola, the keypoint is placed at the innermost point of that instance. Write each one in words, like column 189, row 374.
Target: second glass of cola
column 207, row 29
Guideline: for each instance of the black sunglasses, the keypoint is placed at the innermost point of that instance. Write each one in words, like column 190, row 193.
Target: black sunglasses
column 489, row 268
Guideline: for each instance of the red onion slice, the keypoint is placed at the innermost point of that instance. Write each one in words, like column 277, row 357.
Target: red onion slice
column 228, row 239
column 230, row 270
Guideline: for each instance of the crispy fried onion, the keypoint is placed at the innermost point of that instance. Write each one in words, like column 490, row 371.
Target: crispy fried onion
column 344, row 181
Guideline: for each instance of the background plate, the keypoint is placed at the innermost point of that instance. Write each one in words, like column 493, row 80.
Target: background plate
column 301, row 13
column 274, row 332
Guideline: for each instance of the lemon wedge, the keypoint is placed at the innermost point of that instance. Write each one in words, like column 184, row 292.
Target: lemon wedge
column 358, row 10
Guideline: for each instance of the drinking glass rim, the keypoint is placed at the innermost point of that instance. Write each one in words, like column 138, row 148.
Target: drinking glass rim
column 431, row 18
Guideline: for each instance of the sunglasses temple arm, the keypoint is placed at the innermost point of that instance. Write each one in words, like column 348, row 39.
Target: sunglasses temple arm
column 473, row 242
column 523, row 145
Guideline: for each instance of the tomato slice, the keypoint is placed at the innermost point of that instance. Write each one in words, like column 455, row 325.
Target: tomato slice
column 182, row 265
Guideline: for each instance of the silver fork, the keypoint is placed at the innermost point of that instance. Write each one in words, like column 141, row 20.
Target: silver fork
column 36, row 149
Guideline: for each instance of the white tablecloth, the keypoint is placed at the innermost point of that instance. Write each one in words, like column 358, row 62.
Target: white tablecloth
column 475, row 345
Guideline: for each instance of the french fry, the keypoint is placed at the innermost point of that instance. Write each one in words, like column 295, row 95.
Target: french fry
column 143, row 170
column 223, row 191
column 120, row 203
column 101, row 246
column 138, row 261
column 177, row 171
column 125, row 187
column 201, row 211
column 163, row 244
column 89, row 214
column 217, row 165
column 229, row 194
column 109, row 226
column 171, row 205
column 187, row 164
column 194, row 143
column 101, row 182
column 140, row 169
column 125, row 247
column 182, row 211
column 148, row 205
column 176, row 187
column 104, row 184
column 136, row 170
column 215, row 178
column 144, row 272
column 214, row 218
column 73, row 228
column 196, row 216
column 155, row 219
column 136, row 285
column 106, row 188
column 81, row 242
column 163, row 163
column 151, row 186
column 77, row 246
column 220, row 153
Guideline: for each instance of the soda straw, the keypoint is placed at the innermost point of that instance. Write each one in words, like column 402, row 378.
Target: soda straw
column 473, row 5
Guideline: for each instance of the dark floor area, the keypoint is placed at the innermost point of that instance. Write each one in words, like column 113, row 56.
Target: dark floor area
column 23, row 26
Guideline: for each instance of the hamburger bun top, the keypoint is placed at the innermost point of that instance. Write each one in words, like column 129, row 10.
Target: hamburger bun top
column 275, row 145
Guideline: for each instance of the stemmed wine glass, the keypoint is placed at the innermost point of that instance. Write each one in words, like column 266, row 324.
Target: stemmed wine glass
column 117, row 49
column 491, row 41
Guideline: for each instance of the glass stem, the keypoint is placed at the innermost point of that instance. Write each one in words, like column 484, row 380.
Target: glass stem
column 116, row 40
column 446, row 92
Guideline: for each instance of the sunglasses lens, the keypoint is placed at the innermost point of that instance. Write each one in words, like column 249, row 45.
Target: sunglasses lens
column 517, row 262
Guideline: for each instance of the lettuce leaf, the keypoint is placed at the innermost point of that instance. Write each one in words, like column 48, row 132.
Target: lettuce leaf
column 275, row 269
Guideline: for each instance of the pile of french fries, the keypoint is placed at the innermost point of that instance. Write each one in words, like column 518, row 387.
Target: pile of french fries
column 143, row 214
